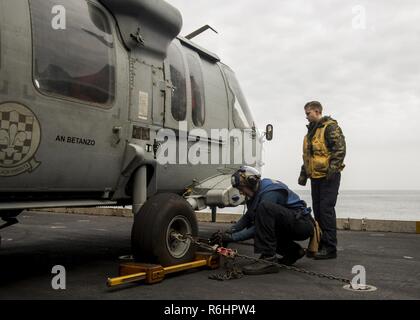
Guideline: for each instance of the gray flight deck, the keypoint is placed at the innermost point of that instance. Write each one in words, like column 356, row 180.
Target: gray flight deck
column 89, row 246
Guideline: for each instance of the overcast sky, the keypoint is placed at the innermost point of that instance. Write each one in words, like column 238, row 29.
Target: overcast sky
column 365, row 72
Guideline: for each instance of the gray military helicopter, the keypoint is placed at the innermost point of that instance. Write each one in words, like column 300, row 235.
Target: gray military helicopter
column 85, row 87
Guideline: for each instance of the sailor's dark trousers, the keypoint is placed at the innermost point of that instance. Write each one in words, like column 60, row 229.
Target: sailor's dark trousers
column 324, row 199
column 277, row 228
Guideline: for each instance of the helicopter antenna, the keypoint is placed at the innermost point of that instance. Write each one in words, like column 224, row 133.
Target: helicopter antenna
column 199, row 31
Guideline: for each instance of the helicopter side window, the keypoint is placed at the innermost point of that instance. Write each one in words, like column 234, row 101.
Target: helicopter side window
column 197, row 90
column 179, row 90
column 242, row 117
column 76, row 61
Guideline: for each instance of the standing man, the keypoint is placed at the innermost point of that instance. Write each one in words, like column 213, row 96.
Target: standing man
column 324, row 149
column 276, row 218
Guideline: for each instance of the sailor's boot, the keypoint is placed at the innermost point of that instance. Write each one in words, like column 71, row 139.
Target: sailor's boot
column 263, row 266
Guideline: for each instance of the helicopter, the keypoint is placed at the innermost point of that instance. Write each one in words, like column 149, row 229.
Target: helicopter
column 94, row 94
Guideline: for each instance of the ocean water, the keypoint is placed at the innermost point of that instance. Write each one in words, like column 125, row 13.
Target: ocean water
column 370, row 204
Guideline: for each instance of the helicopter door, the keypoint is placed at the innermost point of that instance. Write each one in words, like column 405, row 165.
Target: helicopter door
column 82, row 115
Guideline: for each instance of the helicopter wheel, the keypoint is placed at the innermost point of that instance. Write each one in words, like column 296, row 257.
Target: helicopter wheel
column 153, row 236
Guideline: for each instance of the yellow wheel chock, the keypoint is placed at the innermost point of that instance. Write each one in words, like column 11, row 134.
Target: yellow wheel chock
column 153, row 273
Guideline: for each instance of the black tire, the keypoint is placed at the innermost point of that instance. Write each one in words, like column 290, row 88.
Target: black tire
column 150, row 236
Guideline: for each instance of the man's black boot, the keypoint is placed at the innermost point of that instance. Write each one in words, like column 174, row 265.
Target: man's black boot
column 291, row 259
column 263, row 266
column 324, row 254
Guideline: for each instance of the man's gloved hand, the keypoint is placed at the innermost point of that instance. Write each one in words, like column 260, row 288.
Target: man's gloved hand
column 302, row 180
column 330, row 174
column 215, row 238
column 221, row 238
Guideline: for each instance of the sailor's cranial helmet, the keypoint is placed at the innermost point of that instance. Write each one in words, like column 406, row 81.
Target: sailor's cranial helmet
column 246, row 176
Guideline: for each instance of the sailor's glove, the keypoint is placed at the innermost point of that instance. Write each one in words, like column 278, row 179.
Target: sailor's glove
column 302, row 180
column 221, row 238
column 331, row 174
column 216, row 238
column 226, row 238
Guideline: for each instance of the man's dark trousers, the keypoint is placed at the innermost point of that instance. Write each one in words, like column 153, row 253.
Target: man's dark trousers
column 324, row 199
column 277, row 227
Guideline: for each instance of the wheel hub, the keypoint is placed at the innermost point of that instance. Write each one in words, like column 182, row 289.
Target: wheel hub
column 179, row 226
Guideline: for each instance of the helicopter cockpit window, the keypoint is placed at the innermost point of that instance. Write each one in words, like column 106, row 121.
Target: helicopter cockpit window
column 179, row 90
column 74, row 56
column 242, row 117
column 197, row 90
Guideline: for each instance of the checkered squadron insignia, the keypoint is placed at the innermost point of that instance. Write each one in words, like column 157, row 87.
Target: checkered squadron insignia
column 19, row 139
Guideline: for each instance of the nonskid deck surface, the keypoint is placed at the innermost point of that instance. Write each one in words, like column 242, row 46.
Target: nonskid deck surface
column 89, row 246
